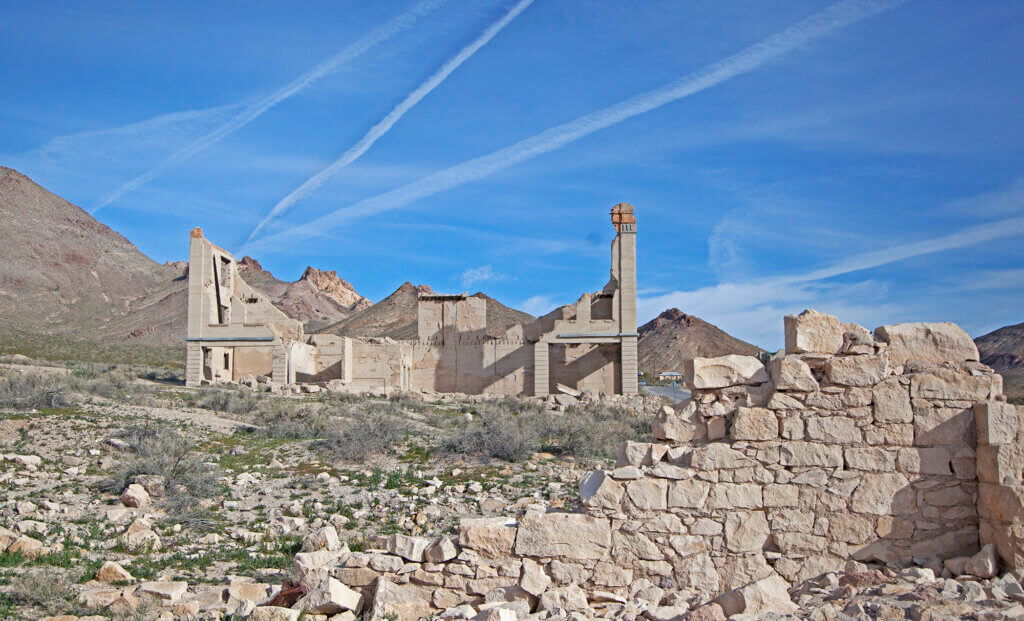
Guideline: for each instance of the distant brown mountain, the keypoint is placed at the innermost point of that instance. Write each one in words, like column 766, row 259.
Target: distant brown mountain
column 395, row 316
column 673, row 336
column 63, row 273
column 317, row 299
column 1003, row 350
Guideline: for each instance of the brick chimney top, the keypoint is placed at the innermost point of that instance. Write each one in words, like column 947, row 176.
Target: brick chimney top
column 623, row 218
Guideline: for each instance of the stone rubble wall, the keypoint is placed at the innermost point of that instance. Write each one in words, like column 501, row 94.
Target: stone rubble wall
column 849, row 446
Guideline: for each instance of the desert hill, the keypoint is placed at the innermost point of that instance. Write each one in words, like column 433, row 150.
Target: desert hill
column 395, row 316
column 673, row 336
column 64, row 274
column 1003, row 350
column 317, row 299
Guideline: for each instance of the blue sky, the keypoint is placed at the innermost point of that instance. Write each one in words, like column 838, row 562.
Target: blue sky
column 863, row 159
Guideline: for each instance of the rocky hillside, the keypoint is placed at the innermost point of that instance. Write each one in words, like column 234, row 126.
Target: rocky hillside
column 1003, row 350
column 673, row 336
column 63, row 273
column 317, row 299
column 395, row 316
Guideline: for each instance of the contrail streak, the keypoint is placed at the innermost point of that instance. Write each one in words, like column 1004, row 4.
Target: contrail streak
column 358, row 149
column 254, row 110
column 803, row 32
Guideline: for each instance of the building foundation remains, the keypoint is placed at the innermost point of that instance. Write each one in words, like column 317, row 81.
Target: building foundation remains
column 895, row 448
column 235, row 333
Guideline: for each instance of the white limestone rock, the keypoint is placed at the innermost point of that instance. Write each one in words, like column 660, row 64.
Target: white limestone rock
column 984, row 564
column 927, row 342
column 813, row 332
column 600, row 491
column 565, row 535
column 724, row 371
column 768, row 595
column 331, row 597
column 489, row 537
column 135, row 496
column 792, row 373
column 409, row 548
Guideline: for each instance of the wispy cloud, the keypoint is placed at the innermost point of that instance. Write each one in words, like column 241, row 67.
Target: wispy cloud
column 363, row 145
column 753, row 309
column 538, row 305
column 796, row 36
column 484, row 273
column 1006, row 200
column 257, row 108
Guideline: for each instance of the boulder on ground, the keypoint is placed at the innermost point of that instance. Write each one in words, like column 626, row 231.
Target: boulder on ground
column 135, row 496
column 927, row 342
column 330, row 597
column 274, row 613
column 112, row 572
column 768, row 595
column 984, row 564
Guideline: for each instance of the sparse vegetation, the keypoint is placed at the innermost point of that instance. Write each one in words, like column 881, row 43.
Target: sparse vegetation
column 158, row 450
column 45, row 588
column 512, row 430
column 33, row 390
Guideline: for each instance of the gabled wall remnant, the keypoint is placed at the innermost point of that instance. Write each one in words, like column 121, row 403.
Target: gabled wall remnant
column 235, row 333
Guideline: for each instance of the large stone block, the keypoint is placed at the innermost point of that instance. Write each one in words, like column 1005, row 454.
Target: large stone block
column 997, row 422
column 600, row 491
column 398, row 601
column 856, row 370
column 565, row 535
column 679, row 424
column 719, row 456
column 755, row 424
column 884, row 494
column 892, row 402
column 792, row 373
column 947, row 384
column 940, row 426
column 746, row 531
column 927, row 342
column 647, row 494
column 833, row 430
column 724, row 371
column 689, row 493
column 813, row 332
column 490, row 537
column 735, row 496
column 811, row 454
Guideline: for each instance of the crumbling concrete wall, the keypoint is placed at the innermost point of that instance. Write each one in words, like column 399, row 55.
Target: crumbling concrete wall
column 850, row 446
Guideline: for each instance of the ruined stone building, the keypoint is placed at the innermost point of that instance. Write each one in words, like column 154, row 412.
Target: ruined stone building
column 591, row 345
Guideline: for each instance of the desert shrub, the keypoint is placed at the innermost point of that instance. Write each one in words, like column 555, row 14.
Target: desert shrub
column 290, row 418
column 408, row 401
column 26, row 391
column 508, row 429
column 595, row 429
column 238, row 401
column 512, row 430
column 375, row 431
column 47, row 589
column 161, row 451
